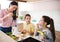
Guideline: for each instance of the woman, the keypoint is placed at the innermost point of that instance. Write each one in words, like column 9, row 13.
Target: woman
column 49, row 32
column 6, row 19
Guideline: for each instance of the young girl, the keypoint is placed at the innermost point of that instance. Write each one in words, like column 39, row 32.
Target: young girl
column 49, row 32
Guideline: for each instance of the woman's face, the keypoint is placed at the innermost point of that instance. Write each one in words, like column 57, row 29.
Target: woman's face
column 13, row 7
column 41, row 22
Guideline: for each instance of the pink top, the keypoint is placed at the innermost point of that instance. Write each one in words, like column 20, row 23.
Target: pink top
column 6, row 22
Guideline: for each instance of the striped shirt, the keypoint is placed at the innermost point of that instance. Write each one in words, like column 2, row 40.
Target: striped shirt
column 6, row 22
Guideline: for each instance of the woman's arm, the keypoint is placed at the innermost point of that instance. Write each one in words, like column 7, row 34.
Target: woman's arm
column 48, row 36
column 2, row 17
column 8, row 15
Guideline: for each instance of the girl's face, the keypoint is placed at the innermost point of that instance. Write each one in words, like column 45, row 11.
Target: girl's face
column 41, row 22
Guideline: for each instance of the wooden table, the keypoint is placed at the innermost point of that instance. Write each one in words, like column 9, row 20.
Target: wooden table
column 27, row 36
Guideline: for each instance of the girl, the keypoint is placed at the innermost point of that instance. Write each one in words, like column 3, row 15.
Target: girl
column 49, row 32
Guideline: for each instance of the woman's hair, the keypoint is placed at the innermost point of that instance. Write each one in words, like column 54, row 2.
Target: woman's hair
column 14, row 3
column 14, row 12
column 14, row 15
column 50, row 22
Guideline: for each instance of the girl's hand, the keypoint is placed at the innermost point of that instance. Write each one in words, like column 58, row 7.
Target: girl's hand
column 23, row 31
column 43, row 39
column 37, row 25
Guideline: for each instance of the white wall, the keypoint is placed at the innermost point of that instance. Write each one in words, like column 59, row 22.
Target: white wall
column 39, row 8
column 4, row 4
column 49, row 8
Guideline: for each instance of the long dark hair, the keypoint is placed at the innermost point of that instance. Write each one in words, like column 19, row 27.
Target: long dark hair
column 14, row 3
column 50, row 22
column 14, row 12
column 14, row 15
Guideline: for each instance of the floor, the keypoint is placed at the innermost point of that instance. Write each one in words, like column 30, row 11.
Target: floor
column 57, row 36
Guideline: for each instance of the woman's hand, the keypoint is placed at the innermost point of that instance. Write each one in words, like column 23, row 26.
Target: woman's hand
column 8, row 15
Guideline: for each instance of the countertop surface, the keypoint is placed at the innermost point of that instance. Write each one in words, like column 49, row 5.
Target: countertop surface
column 5, row 38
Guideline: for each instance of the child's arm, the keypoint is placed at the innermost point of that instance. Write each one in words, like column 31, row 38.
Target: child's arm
column 32, row 29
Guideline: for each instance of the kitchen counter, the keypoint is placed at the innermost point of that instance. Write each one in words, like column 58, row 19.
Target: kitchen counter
column 5, row 38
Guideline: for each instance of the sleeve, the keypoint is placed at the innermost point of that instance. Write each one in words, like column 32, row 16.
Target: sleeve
column 32, row 28
column 14, row 23
column 48, row 36
column 1, row 15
